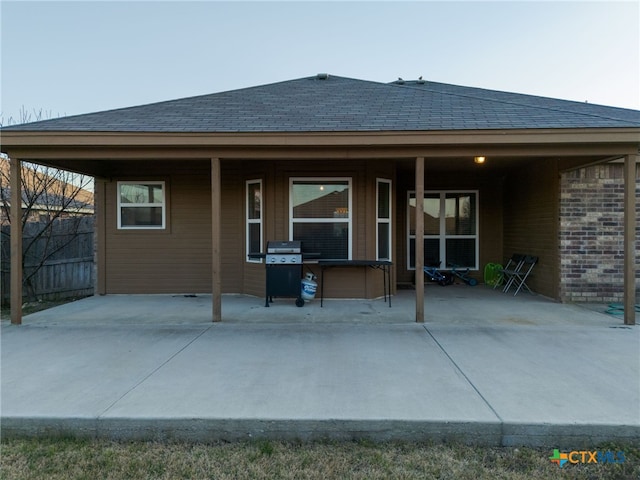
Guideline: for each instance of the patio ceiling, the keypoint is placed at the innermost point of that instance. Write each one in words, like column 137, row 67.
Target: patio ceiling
column 498, row 165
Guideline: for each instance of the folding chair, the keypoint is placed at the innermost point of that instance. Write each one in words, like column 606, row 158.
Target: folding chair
column 513, row 265
column 520, row 277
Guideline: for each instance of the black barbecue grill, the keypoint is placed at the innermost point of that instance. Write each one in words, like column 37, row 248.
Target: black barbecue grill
column 283, row 262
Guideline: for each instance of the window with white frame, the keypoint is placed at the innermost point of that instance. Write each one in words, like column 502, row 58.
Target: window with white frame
column 320, row 216
column 383, row 219
column 450, row 233
column 254, row 218
column 142, row 205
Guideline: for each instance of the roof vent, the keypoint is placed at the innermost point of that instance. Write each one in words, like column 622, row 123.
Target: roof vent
column 421, row 81
column 400, row 81
column 322, row 76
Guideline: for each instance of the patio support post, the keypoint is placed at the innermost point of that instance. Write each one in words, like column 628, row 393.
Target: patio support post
column 419, row 263
column 216, row 210
column 630, row 163
column 100, row 200
column 16, row 240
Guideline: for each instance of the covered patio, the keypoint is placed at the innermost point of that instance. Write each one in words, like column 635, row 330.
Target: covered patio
column 454, row 305
column 209, row 158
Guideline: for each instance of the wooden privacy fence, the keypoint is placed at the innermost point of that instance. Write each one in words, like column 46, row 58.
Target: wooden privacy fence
column 57, row 265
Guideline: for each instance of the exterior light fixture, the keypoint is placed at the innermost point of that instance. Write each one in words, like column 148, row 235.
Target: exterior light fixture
column 479, row 160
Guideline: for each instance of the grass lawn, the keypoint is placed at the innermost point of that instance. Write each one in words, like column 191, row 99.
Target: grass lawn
column 100, row 459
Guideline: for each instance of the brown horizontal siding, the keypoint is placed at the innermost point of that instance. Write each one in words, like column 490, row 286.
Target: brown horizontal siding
column 177, row 260
column 254, row 279
column 345, row 283
column 491, row 224
column 531, row 222
column 363, row 199
column 232, row 227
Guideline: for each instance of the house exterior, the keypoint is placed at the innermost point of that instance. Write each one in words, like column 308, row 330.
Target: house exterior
column 591, row 240
column 187, row 189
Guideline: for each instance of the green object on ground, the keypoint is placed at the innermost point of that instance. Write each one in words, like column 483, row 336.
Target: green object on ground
column 492, row 275
column 618, row 309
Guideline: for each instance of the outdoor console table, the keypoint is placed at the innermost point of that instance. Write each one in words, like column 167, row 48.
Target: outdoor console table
column 383, row 265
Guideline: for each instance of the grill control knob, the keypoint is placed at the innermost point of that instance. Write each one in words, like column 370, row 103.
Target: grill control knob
column 283, row 259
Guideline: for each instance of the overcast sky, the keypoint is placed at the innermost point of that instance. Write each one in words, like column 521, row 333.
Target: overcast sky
column 66, row 58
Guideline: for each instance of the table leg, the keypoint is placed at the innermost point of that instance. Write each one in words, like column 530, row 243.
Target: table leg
column 321, row 285
column 384, row 282
column 388, row 272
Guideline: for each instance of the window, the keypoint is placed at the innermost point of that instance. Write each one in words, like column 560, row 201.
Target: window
column 450, row 229
column 141, row 205
column 254, row 218
column 383, row 220
column 320, row 216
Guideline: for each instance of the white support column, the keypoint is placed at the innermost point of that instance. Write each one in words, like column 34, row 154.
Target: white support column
column 216, row 210
column 15, row 184
column 630, row 162
column 419, row 263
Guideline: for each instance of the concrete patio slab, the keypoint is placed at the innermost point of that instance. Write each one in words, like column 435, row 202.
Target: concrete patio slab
column 455, row 304
column 80, row 371
column 577, row 380
column 310, row 373
column 485, row 369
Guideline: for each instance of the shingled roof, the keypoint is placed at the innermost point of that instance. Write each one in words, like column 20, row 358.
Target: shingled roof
column 324, row 103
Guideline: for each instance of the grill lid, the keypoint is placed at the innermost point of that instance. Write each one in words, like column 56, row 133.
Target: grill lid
column 283, row 246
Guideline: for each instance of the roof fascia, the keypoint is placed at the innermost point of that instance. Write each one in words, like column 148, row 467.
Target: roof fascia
column 100, row 153
column 354, row 139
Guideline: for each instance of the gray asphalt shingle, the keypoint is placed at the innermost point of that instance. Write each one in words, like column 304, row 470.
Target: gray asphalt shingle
column 339, row 104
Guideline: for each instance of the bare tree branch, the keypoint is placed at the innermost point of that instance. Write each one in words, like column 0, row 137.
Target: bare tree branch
column 49, row 196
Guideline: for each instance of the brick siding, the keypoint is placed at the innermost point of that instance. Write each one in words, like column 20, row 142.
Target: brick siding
column 591, row 234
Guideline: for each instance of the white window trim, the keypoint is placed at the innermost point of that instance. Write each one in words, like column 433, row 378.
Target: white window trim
column 121, row 205
column 348, row 220
column 250, row 221
column 443, row 238
column 384, row 220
